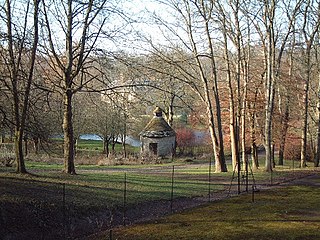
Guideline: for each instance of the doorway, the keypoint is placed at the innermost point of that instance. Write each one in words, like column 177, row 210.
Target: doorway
column 153, row 147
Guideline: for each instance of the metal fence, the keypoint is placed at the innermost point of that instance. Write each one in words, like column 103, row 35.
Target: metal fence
column 39, row 209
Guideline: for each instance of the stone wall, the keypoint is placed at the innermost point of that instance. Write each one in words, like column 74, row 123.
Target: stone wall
column 165, row 146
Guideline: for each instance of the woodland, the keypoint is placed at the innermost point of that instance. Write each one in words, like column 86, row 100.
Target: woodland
column 245, row 71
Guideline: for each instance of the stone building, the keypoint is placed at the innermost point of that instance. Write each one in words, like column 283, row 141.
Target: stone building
column 158, row 137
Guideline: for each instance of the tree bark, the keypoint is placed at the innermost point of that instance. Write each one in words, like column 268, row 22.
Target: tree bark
column 16, row 52
column 36, row 145
column 304, row 124
column 25, row 146
column 18, row 143
column 317, row 158
column 252, row 121
column 232, row 118
column 270, row 82
column 2, row 136
column 217, row 139
column 283, row 133
column 310, row 11
column 68, row 134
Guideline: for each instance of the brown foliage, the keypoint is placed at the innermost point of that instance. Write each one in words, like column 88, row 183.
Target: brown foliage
column 185, row 139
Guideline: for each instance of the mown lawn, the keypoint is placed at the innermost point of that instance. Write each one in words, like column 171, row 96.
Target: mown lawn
column 48, row 199
column 143, row 183
column 282, row 213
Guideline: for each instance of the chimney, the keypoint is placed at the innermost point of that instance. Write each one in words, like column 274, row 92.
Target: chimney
column 157, row 112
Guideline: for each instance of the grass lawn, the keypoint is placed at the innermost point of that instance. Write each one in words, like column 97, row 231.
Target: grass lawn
column 143, row 182
column 282, row 213
column 47, row 199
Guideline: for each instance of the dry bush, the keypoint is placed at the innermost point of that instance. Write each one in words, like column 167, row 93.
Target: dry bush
column 46, row 158
column 88, row 159
column 293, row 151
column 7, row 155
column 113, row 160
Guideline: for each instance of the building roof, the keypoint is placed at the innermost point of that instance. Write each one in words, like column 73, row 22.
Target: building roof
column 157, row 127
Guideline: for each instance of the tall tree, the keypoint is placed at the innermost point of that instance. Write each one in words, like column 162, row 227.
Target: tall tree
column 21, row 40
column 79, row 25
column 194, row 18
column 227, row 30
column 317, row 57
column 310, row 28
column 269, row 20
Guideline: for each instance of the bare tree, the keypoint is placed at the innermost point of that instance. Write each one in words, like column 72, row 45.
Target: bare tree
column 233, row 120
column 20, row 46
column 195, row 17
column 310, row 28
column 79, row 25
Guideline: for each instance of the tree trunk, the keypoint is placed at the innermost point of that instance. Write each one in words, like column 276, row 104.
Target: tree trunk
column 124, row 148
column 113, row 145
column 283, row 133
column 232, row 118
column 309, row 37
column 305, row 101
column 68, row 134
column 218, row 142
column 243, row 120
column 254, row 156
column 18, row 143
column 25, row 146
column 317, row 158
column 170, row 110
column 2, row 137
column 272, row 155
column 269, row 105
column 252, row 121
column 304, row 126
column 267, row 144
column 104, row 146
column 36, row 145
column 14, row 60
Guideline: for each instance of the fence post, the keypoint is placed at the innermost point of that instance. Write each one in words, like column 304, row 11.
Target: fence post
column 110, row 234
column 64, row 210
column 209, row 181
column 124, row 199
column 293, row 165
column 172, row 186
column 252, row 193
column 247, row 179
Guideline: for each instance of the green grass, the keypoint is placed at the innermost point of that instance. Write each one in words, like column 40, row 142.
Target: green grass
column 285, row 213
column 143, row 182
column 97, row 145
column 99, row 188
column 107, row 183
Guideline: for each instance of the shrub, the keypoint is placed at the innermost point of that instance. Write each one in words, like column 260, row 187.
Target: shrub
column 7, row 156
column 185, row 140
column 293, row 151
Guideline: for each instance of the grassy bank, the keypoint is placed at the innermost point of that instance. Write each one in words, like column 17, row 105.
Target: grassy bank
column 281, row 213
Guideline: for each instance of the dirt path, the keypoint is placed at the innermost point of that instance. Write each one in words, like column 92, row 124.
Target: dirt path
column 310, row 180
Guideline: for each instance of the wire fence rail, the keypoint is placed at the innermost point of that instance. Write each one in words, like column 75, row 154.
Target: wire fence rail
column 42, row 209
